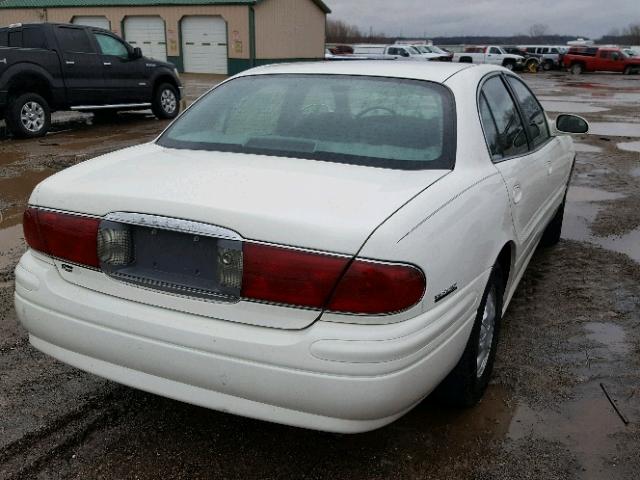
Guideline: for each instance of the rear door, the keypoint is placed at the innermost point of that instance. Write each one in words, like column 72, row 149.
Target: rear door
column 524, row 171
column 123, row 76
column 80, row 65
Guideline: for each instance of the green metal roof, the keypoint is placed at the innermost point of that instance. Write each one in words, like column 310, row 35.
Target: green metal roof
column 129, row 3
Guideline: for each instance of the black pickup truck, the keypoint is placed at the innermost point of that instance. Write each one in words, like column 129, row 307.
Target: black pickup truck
column 48, row 67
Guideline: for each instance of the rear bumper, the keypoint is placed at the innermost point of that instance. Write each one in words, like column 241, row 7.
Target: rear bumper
column 333, row 377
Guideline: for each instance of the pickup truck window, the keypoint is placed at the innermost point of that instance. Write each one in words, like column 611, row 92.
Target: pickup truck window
column 33, row 37
column 111, row 46
column 74, row 40
column 532, row 111
column 512, row 139
column 494, row 50
column 15, row 38
column 378, row 122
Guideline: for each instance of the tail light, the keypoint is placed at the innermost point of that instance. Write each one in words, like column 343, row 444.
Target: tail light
column 314, row 280
column 257, row 272
column 61, row 235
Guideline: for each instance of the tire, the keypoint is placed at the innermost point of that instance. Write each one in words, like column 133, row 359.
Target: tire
column 28, row 116
column 552, row 233
column 467, row 382
column 165, row 102
column 577, row 69
column 546, row 66
column 628, row 70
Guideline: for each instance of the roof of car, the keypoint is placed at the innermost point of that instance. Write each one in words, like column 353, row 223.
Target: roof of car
column 431, row 71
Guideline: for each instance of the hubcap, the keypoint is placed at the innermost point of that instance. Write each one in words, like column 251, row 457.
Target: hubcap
column 168, row 101
column 487, row 328
column 32, row 116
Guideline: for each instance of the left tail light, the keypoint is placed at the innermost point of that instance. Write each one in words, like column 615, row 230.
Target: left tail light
column 62, row 235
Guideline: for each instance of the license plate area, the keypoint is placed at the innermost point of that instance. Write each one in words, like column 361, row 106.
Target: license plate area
column 179, row 258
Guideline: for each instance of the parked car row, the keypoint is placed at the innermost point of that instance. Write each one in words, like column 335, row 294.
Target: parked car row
column 47, row 67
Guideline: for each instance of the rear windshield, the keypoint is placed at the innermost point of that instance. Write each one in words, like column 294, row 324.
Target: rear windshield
column 380, row 122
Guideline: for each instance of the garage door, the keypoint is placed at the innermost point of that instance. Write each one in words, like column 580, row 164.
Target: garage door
column 204, row 44
column 148, row 34
column 100, row 22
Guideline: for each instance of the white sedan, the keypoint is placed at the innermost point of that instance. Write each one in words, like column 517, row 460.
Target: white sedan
column 319, row 245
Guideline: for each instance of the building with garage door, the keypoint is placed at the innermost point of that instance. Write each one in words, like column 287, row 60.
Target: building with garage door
column 198, row 36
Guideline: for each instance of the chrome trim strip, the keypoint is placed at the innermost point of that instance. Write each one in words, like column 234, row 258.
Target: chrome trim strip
column 102, row 107
column 173, row 224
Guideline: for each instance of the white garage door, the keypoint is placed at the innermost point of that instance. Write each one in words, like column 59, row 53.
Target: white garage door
column 204, row 45
column 100, row 22
column 148, row 34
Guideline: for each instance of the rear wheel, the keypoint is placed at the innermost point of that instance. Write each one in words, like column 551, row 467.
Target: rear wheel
column 467, row 382
column 546, row 66
column 165, row 102
column 628, row 70
column 577, row 69
column 28, row 116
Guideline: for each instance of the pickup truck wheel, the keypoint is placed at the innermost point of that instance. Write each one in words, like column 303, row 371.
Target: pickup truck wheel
column 577, row 69
column 628, row 70
column 28, row 116
column 546, row 66
column 466, row 383
column 165, row 102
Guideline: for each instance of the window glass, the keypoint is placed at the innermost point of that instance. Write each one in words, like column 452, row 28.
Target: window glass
column 15, row 38
column 490, row 129
column 111, row 46
column 532, row 111
column 4, row 38
column 33, row 37
column 391, row 123
column 554, row 50
column 494, row 50
column 74, row 40
column 512, row 139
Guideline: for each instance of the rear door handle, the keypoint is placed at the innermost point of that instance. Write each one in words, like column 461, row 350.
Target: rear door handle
column 517, row 193
column 70, row 62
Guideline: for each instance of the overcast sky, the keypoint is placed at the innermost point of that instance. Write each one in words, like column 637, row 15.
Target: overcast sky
column 592, row 18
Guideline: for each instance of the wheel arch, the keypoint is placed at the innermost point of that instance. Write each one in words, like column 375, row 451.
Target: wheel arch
column 164, row 77
column 506, row 260
column 30, row 81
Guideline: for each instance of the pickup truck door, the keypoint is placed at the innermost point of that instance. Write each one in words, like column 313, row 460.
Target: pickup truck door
column 494, row 56
column 610, row 61
column 523, row 170
column 80, row 66
column 123, row 75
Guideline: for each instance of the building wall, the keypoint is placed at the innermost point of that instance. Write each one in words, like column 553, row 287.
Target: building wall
column 236, row 16
column 289, row 29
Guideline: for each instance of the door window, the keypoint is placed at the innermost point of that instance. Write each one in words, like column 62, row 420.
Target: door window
column 15, row 38
column 511, row 135
column 74, row 40
column 494, row 50
column 532, row 111
column 111, row 46
column 490, row 129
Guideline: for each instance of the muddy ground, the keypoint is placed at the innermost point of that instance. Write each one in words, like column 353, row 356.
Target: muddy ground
column 571, row 333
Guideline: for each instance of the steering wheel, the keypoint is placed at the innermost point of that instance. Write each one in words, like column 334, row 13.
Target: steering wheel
column 364, row 112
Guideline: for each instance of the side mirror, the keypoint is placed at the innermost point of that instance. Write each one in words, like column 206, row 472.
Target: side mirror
column 137, row 53
column 567, row 123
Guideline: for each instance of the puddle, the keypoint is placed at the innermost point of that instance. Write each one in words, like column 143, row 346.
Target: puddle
column 10, row 240
column 586, row 426
column 629, row 146
column 612, row 336
column 581, row 211
column 586, row 148
column 635, row 172
column 571, row 107
column 615, row 129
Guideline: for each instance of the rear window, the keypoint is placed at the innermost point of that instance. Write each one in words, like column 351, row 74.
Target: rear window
column 33, row 37
column 74, row 40
column 382, row 122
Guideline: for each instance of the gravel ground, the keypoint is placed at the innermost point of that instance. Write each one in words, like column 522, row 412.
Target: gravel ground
column 571, row 333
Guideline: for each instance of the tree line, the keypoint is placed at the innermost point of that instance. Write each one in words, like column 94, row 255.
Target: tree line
column 339, row 31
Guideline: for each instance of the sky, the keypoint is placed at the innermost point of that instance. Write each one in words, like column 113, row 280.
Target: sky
column 436, row 18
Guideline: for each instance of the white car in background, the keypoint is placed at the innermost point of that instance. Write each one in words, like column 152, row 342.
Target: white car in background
column 390, row 52
column 319, row 245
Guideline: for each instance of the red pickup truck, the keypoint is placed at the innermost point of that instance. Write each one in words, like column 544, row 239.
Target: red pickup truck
column 600, row 59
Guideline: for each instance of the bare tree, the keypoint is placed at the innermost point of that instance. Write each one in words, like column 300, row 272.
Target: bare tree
column 631, row 34
column 538, row 30
column 342, row 32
